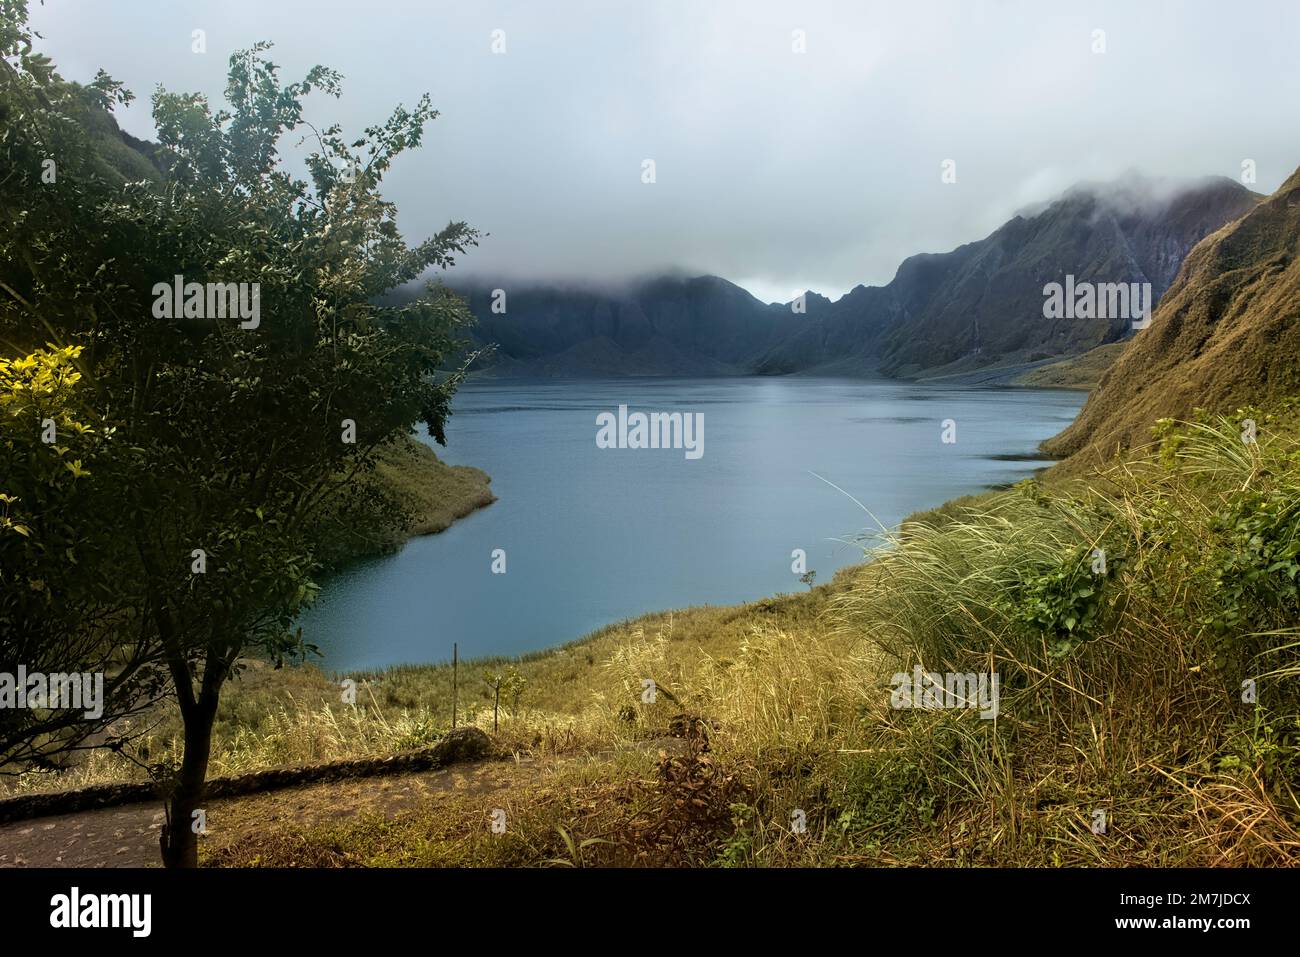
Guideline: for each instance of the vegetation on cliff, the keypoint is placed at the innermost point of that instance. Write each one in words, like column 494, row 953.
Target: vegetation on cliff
column 1226, row 334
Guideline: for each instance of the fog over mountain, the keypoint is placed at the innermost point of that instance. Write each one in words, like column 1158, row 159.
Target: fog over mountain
column 778, row 170
column 1226, row 335
column 980, row 305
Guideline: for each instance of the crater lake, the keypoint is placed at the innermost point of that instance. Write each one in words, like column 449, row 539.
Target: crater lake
column 596, row 535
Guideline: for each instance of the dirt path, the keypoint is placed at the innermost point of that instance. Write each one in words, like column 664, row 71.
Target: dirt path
column 127, row 836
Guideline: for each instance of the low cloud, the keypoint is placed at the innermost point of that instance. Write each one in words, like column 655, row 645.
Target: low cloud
column 782, row 169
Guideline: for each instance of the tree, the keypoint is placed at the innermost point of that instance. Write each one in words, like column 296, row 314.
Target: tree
column 62, row 609
column 511, row 682
column 232, row 432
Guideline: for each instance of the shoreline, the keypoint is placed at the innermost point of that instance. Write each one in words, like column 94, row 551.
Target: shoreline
column 437, row 495
column 439, row 520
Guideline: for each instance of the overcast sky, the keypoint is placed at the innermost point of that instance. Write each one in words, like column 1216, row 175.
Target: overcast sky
column 776, row 169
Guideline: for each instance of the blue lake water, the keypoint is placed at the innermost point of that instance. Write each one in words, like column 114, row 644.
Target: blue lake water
column 593, row 536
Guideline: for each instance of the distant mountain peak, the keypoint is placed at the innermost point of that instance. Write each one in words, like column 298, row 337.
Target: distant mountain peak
column 975, row 306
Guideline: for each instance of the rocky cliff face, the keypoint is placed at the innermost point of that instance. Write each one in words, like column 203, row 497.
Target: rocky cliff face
column 980, row 305
column 1226, row 333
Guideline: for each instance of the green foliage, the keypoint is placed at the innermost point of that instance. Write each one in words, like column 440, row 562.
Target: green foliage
column 738, row 849
column 60, row 551
column 204, row 434
column 1062, row 600
column 1257, row 564
column 509, row 683
column 1270, row 746
column 1245, row 543
column 575, row 849
column 882, row 795
column 46, row 447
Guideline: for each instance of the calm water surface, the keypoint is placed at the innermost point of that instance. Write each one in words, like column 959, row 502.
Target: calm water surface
column 594, row 536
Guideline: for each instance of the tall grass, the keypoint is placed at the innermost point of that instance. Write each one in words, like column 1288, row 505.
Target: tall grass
column 1149, row 709
column 1122, row 687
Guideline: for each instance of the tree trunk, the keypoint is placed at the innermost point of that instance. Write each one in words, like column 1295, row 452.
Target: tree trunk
column 180, row 842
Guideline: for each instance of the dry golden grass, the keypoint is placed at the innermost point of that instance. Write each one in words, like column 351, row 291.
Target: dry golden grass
column 771, row 741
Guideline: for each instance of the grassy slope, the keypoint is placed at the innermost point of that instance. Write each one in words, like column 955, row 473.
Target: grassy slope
column 425, row 495
column 1226, row 333
column 1121, row 694
column 1077, row 372
column 437, row 493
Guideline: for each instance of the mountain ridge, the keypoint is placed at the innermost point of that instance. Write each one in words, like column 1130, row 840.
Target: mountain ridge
column 1225, row 333
column 976, row 306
